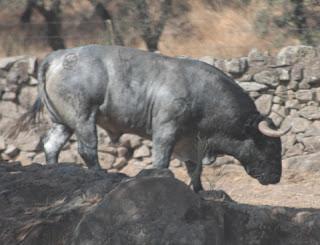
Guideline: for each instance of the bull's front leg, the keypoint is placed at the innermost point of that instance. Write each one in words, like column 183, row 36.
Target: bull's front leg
column 194, row 171
column 163, row 139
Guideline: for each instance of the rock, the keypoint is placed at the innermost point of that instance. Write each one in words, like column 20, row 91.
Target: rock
column 297, row 72
column 312, row 73
column 72, row 205
column 292, row 104
column 303, row 163
column 224, row 160
column 276, row 118
column 6, row 63
column 299, row 125
column 147, row 143
column 236, row 66
column 9, row 96
column 304, row 84
column 267, row 77
column 176, row 163
column 284, row 74
column 168, row 205
column 310, row 112
column 142, row 151
column 32, row 63
column 294, row 113
column 40, row 159
column 154, row 172
column 11, row 151
column 132, row 168
column 277, row 100
column 28, row 64
column 264, row 103
column 45, row 192
column 220, row 64
column 288, row 140
column 293, row 85
column 254, row 95
column 281, row 91
column 312, row 103
column 29, row 142
column 106, row 160
column 253, row 86
column 122, row 151
column 25, row 158
column 130, row 140
column 301, row 217
column 280, row 110
column 295, row 150
column 292, row 54
column 107, row 149
column 120, row 163
column 255, row 57
column 291, row 95
column 5, row 157
column 147, row 161
column 316, row 125
column 18, row 73
column 317, row 94
column 311, row 144
column 33, row 81
column 245, row 78
column 304, row 95
column 207, row 59
column 67, row 156
column 27, row 96
column 10, row 110
column 312, row 130
column 2, row 143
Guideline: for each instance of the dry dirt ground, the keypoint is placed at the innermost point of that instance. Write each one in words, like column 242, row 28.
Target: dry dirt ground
column 296, row 189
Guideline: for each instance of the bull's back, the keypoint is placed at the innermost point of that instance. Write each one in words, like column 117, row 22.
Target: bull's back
column 138, row 84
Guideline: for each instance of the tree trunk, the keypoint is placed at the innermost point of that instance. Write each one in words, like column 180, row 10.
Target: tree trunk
column 52, row 18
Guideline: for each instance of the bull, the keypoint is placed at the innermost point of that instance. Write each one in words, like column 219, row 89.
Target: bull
column 180, row 104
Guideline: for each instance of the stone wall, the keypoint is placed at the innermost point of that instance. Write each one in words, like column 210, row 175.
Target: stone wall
column 286, row 87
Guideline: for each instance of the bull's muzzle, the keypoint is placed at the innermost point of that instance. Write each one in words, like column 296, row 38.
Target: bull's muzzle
column 268, row 179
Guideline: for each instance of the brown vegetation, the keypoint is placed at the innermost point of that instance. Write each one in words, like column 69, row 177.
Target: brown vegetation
column 195, row 27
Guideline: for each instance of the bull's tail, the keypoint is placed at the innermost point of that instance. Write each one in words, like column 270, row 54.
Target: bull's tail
column 31, row 118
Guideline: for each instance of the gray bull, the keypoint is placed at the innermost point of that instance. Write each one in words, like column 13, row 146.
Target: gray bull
column 182, row 105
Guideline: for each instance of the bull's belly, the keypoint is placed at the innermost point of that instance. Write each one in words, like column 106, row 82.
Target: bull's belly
column 116, row 128
column 187, row 149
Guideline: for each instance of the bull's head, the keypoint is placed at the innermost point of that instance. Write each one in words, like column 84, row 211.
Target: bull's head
column 257, row 147
column 261, row 151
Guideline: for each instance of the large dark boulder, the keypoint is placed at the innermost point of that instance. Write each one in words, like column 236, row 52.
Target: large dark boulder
column 151, row 210
column 66, row 204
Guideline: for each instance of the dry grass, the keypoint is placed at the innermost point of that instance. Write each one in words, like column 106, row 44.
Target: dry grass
column 223, row 31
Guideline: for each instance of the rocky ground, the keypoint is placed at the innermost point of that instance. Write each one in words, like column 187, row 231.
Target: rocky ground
column 67, row 204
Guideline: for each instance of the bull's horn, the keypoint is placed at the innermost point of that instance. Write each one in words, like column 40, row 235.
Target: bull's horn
column 264, row 128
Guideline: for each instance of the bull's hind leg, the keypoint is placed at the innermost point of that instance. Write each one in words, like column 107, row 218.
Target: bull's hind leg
column 86, row 132
column 53, row 142
column 194, row 172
